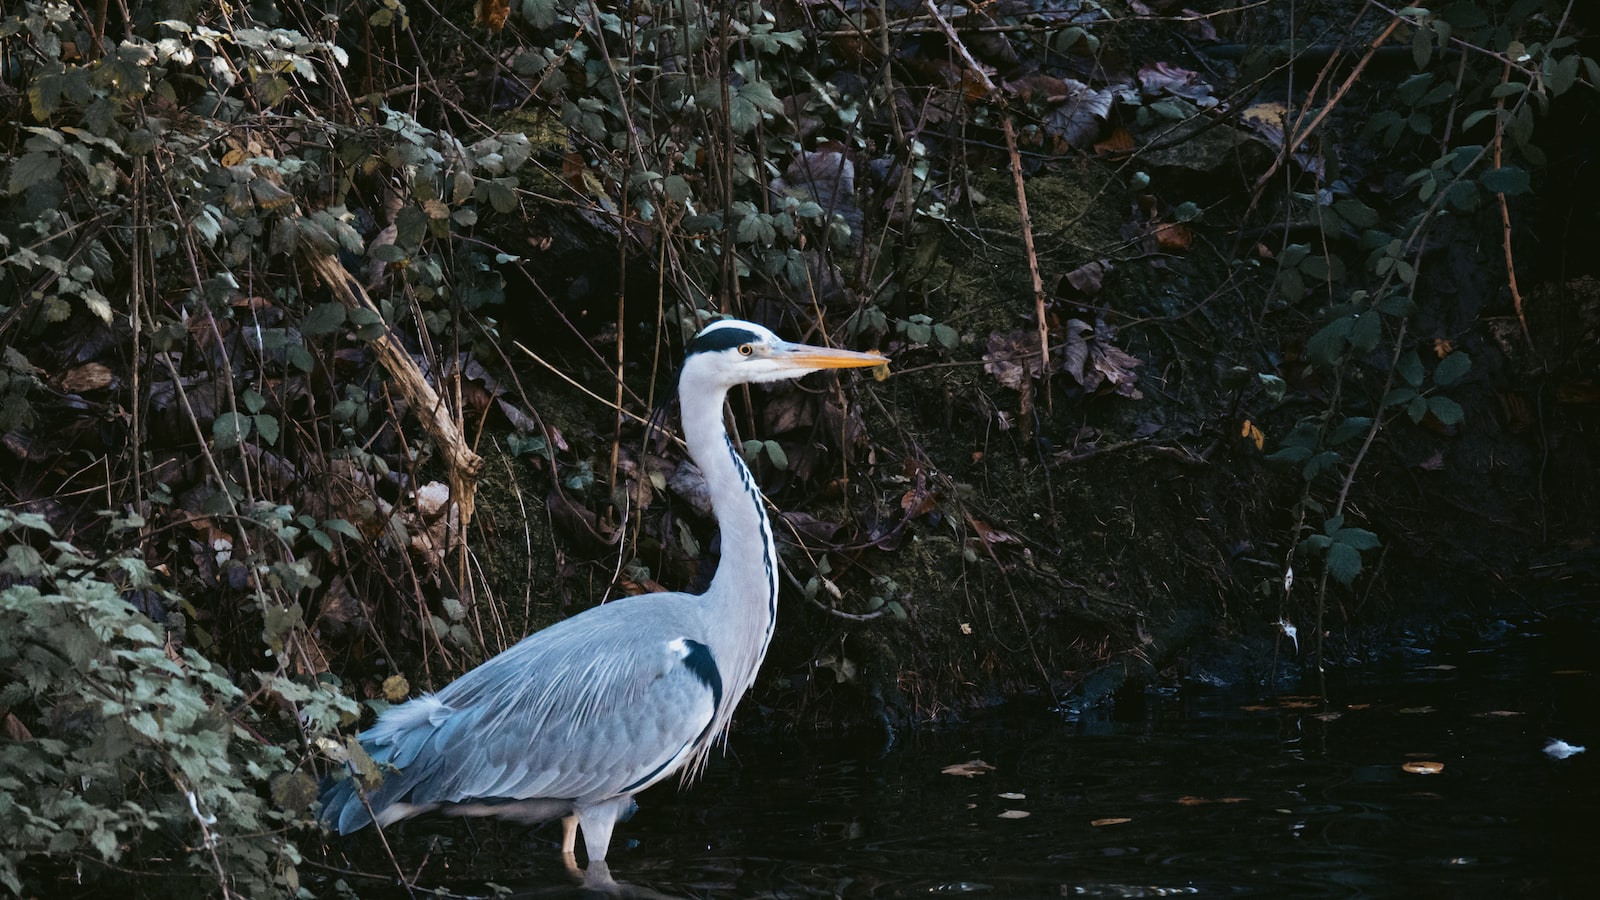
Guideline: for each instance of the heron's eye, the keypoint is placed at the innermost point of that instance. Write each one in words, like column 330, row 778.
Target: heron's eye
column 746, row 349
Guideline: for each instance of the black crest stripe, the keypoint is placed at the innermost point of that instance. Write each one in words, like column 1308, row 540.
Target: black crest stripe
column 721, row 339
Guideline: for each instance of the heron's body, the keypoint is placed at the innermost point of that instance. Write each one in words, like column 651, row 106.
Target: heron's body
column 574, row 720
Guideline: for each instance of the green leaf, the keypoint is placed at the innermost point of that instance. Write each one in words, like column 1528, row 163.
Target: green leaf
column 540, row 13
column 1451, row 368
column 1328, row 344
column 1463, row 195
column 1422, row 47
column 1350, row 428
column 1289, row 455
column 1356, row 213
column 677, row 188
column 775, row 453
column 1399, row 396
column 1562, row 75
column 300, row 357
column 1509, row 180
column 1366, row 333
column 267, row 427
column 1344, row 562
column 33, row 168
column 341, row 526
column 1477, row 117
column 229, row 429
column 368, row 322
column 1409, row 368
column 500, row 195
column 1447, row 411
column 22, row 561
column 1318, row 464
column 1359, row 538
column 1418, row 408
column 325, row 318
column 1394, row 304
column 1317, row 542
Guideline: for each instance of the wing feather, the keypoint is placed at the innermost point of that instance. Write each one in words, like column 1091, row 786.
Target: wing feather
column 594, row 707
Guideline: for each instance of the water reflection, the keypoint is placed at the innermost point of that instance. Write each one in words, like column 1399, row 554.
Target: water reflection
column 1206, row 792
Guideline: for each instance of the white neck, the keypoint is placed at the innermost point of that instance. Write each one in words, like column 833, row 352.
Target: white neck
column 742, row 601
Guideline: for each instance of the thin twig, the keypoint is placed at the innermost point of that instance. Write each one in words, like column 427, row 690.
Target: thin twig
column 1022, row 193
column 1505, row 210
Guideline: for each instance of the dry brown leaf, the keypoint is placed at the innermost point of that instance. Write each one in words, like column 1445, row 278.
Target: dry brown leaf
column 1078, row 114
column 919, row 501
column 396, row 688
column 1423, row 767
column 1114, row 820
column 87, row 377
column 15, row 730
column 968, row 769
column 1198, row 27
column 1094, row 362
column 1249, row 430
column 1013, row 358
column 1087, row 279
column 1118, row 141
column 1174, row 237
column 492, row 14
column 1163, row 78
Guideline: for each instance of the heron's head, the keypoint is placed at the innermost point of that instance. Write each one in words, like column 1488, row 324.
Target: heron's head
column 732, row 352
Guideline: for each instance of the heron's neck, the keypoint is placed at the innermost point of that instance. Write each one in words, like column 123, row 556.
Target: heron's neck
column 744, row 591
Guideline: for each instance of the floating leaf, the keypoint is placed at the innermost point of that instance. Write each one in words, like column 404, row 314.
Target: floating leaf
column 1114, row 820
column 1015, row 814
column 1423, row 767
column 968, row 769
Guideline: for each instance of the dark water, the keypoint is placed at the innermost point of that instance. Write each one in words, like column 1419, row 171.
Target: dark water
column 1201, row 792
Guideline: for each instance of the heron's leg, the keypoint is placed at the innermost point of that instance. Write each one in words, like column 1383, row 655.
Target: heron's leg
column 598, row 878
column 597, row 822
column 569, row 833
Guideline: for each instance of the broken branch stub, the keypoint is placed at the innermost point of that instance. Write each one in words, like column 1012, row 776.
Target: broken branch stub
column 463, row 464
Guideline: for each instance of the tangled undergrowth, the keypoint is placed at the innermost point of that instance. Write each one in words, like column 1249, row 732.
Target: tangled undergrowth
column 329, row 339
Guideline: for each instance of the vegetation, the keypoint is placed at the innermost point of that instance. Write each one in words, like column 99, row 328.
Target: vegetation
column 312, row 318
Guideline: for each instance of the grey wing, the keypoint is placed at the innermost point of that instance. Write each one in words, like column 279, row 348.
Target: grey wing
column 601, row 705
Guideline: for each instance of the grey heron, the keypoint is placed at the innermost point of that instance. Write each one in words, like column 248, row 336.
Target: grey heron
column 574, row 720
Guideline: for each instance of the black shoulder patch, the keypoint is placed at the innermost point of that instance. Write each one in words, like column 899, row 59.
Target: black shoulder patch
column 720, row 339
column 699, row 662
